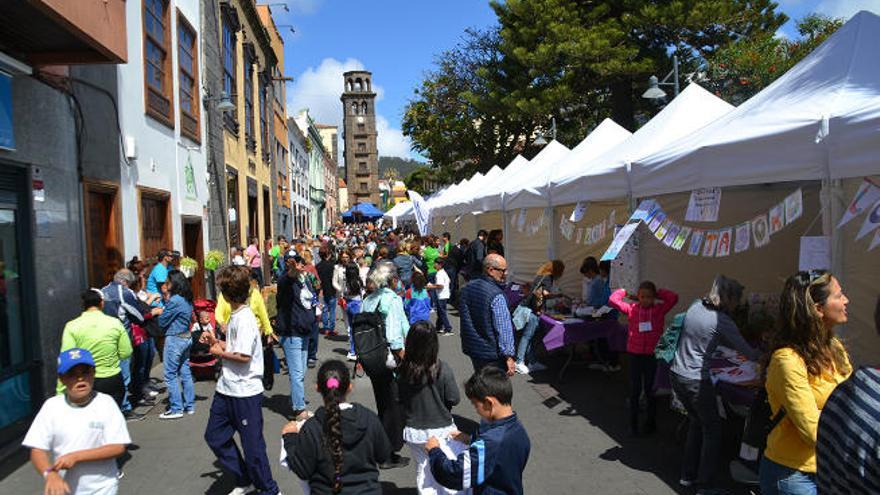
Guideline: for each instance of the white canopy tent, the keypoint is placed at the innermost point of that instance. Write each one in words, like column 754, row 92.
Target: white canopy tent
column 490, row 198
column 477, row 184
column 606, row 176
column 819, row 120
column 398, row 211
column 521, row 191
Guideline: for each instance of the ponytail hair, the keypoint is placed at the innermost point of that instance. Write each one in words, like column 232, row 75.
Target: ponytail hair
column 333, row 384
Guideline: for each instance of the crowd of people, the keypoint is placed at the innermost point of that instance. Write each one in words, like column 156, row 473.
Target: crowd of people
column 395, row 287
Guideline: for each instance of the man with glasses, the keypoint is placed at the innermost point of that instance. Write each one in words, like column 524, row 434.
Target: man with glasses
column 486, row 326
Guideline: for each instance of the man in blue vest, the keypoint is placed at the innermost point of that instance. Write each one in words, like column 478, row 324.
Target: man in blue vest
column 486, row 327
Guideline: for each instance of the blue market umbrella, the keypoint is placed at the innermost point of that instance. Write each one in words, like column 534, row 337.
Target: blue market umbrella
column 363, row 212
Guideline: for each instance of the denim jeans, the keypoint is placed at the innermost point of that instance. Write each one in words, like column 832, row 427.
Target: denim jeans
column 142, row 357
column 777, row 479
column 125, row 366
column 704, row 428
column 525, row 342
column 176, row 360
column 442, row 317
column 328, row 317
column 353, row 307
column 296, row 354
column 432, row 293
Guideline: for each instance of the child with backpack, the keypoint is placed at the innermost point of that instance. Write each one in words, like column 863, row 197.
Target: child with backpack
column 417, row 302
column 497, row 455
column 428, row 392
column 338, row 449
column 646, row 317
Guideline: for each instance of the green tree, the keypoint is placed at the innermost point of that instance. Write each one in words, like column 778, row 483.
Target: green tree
column 742, row 69
column 460, row 117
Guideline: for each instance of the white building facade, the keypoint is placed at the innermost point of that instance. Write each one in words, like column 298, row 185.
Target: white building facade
column 299, row 179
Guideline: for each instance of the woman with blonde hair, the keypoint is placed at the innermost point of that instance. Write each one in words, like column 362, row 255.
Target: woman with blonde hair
column 807, row 361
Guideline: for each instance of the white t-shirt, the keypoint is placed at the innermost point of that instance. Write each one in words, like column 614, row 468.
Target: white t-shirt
column 443, row 279
column 586, row 287
column 61, row 428
column 242, row 336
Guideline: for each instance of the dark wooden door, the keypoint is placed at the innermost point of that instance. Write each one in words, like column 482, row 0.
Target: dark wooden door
column 104, row 253
column 192, row 247
column 155, row 226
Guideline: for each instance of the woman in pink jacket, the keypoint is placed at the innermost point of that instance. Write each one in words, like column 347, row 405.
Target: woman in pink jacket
column 646, row 317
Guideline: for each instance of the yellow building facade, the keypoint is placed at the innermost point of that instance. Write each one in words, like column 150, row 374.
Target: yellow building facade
column 248, row 63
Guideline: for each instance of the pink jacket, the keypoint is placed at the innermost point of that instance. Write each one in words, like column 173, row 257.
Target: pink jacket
column 645, row 324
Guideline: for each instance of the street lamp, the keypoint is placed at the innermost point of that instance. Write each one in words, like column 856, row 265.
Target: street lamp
column 224, row 102
column 654, row 92
column 541, row 140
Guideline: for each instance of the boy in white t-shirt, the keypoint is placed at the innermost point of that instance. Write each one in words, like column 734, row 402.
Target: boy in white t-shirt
column 83, row 430
column 238, row 400
column 441, row 284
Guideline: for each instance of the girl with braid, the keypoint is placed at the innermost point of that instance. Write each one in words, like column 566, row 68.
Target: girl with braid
column 338, row 449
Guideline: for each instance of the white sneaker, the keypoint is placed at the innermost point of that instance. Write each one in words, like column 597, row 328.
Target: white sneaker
column 190, row 412
column 597, row 367
column 613, row 368
column 352, row 357
column 241, row 490
column 521, row 368
column 536, row 366
column 171, row 415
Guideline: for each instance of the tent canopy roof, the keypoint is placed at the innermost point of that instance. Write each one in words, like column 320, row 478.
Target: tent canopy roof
column 366, row 210
column 820, row 118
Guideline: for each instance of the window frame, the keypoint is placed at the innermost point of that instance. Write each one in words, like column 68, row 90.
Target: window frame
column 195, row 101
column 167, row 93
column 250, row 124
column 230, row 24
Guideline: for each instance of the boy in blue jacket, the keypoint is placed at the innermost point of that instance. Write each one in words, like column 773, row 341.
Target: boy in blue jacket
column 497, row 456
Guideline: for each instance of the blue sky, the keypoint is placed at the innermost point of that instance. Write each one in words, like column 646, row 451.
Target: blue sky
column 397, row 41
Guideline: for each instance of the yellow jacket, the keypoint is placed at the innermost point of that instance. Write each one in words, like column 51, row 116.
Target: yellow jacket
column 793, row 442
column 223, row 310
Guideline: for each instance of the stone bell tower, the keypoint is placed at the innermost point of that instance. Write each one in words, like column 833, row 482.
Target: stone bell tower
column 359, row 127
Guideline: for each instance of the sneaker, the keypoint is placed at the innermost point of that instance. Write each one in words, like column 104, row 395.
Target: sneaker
column 189, row 412
column 133, row 416
column 241, row 490
column 152, row 393
column 120, row 474
column 449, row 332
column 351, row 356
column 686, row 482
column 613, row 368
column 536, row 366
column 311, row 363
column 171, row 415
column 521, row 368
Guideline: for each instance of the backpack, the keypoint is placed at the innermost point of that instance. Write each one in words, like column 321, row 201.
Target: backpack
column 668, row 343
column 759, row 424
column 370, row 345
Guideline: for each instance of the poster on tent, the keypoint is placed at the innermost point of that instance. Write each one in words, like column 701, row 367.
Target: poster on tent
column 794, row 206
column 625, row 267
column 620, row 239
column 815, row 253
column 761, row 230
column 704, row 205
column 696, row 242
column 743, row 237
column 521, row 220
column 578, row 214
column 867, row 195
column 777, row 218
column 724, row 241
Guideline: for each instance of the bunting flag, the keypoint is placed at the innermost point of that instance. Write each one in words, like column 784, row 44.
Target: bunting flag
column 867, row 195
column 872, row 221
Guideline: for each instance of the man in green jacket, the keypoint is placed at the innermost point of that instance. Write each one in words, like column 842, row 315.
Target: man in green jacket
column 105, row 338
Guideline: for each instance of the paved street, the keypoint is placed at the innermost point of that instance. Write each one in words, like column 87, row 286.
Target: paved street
column 577, row 429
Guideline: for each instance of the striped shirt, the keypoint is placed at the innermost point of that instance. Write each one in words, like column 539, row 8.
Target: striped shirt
column 848, row 446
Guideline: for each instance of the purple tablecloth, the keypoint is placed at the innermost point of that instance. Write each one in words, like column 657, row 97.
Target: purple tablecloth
column 560, row 334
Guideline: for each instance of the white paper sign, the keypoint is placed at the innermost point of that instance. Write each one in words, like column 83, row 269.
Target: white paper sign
column 815, row 253
column 704, row 205
column 521, row 220
column 578, row 213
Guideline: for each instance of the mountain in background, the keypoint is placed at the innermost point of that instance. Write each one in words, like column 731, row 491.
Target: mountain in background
column 401, row 166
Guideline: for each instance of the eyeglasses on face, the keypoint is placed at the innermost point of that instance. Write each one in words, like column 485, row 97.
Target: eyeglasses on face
column 502, row 270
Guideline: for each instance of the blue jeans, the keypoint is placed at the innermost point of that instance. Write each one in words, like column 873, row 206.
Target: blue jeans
column 328, row 317
column 353, row 308
column 525, row 342
column 432, row 293
column 142, row 355
column 296, row 353
column 442, row 318
column 313, row 342
column 777, row 479
column 176, row 360
column 125, row 366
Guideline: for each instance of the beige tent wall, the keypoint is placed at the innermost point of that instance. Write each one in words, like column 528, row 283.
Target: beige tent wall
column 573, row 253
column 760, row 270
column 525, row 252
column 489, row 220
column 861, row 284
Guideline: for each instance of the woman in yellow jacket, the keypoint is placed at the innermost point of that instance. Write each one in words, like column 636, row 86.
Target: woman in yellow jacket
column 806, row 364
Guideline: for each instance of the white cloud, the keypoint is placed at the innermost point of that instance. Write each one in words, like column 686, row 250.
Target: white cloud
column 847, row 8
column 319, row 89
column 391, row 142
